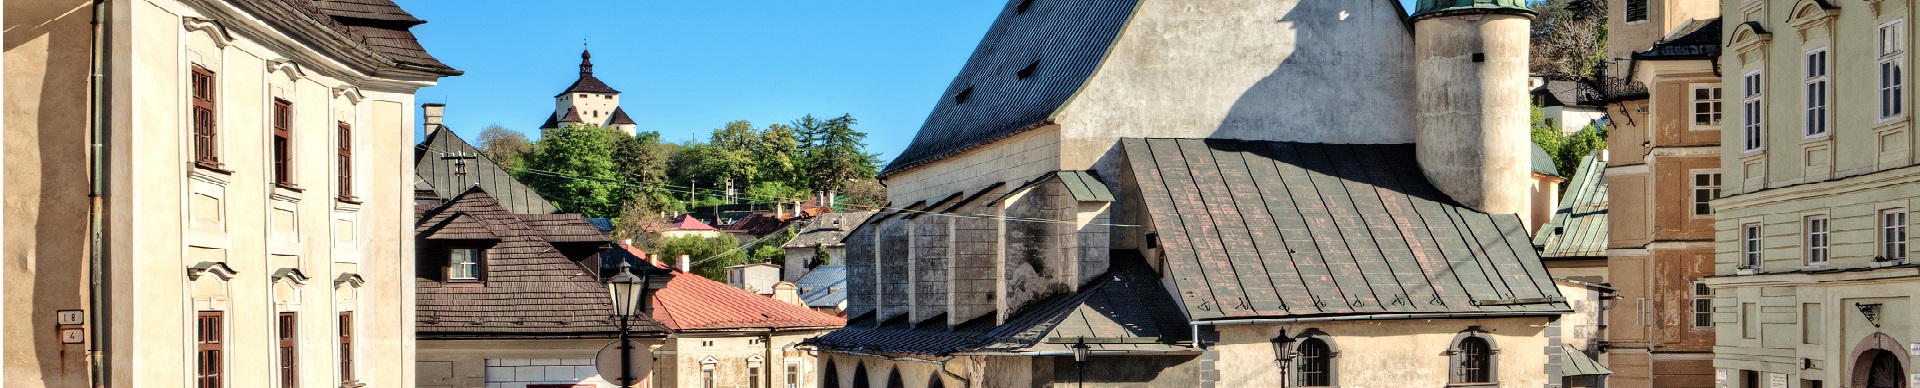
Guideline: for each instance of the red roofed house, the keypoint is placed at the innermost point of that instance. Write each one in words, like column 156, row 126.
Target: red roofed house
column 727, row 337
column 685, row 225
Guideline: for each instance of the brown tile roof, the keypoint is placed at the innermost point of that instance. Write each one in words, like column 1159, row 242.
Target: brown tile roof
column 379, row 26
column 1278, row 229
column 572, row 116
column 694, row 303
column 564, row 228
column 528, row 288
column 620, row 117
column 382, row 10
column 757, row 224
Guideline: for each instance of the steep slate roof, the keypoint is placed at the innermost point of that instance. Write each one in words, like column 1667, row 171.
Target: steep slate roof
column 531, row 290
column 824, row 230
column 1579, row 227
column 1567, row 93
column 824, row 287
column 693, row 303
column 1064, row 40
column 1124, row 309
column 439, row 158
column 1281, row 229
column 587, row 82
column 1699, row 39
column 564, row 228
column 620, row 117
column 382, row 26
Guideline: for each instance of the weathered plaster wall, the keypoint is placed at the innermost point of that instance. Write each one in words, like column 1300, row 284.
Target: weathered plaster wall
column 862, row 272
column 1039, row 256
column 1472, row 141
column 976, row 260
column 1319, row 71
column 894, row 259
column 463, row 363
column 731, row 355
column 912, row 374
column 1388, row 353
column 932, row 252
column 1013, row 160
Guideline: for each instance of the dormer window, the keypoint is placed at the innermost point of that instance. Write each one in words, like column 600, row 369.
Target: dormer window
column 463, row 264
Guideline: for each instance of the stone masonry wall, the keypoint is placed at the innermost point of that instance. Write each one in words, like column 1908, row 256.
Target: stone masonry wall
column 1037, row 252
column 1094, row 240
column 931, row 252
column 860, row 272
column 976, row 257
column 892, row 253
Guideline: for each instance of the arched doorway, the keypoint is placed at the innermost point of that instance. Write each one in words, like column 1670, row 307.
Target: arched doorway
column 1884, row 370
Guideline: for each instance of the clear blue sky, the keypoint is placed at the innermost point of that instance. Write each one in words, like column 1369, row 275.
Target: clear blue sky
column 686, row 67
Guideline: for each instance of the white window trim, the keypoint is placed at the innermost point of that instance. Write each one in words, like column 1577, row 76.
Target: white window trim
column 1753, row 131
column 1897, row 57
column 473, row 254
column 1694, row 320
column 1693, row 106
column 1694, row 188
column 1751, row 253
column 1818, row 233
column 1898, row 254
column 1825, row 121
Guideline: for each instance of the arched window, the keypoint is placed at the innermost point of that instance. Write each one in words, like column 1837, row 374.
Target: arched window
column 1315, row 363
column 832, row 376
column 1473, row 356
column 1476, row 361
column 893, row 380
column 860, row 376
column 935, row 382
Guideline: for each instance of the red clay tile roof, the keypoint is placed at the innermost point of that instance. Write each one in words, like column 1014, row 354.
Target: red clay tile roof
column 691, row 302
column 687, row 222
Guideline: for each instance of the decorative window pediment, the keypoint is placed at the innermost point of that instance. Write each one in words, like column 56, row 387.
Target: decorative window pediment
column 352, row 93
column 286, row 67
column 291, row 275
column 349, row 280
column 213, row 28
column 219, row 269
column 1749, row 35
column 1812, row 13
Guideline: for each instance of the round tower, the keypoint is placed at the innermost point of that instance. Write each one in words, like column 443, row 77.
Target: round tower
column 1470, row 130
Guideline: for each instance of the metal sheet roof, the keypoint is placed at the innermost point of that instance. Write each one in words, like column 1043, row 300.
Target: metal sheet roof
column 449, row 165
column 1279, row 229
column 1579, row 227
column 1576, row 363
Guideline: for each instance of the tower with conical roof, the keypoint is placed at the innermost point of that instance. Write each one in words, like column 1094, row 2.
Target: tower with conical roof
column 1470, row 129
column 588, row 102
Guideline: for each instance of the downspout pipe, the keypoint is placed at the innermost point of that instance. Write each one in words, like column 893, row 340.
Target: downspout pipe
column 99, row 108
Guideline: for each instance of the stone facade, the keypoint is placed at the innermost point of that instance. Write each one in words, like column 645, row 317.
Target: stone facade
column 1813, row 282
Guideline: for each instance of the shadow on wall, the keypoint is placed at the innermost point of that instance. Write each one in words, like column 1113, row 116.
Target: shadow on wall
column 1349, row 79
column 51, row 249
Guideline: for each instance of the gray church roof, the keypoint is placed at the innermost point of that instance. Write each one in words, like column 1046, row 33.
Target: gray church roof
column 1579, row 227
column 1033, row 58
column 449, row 166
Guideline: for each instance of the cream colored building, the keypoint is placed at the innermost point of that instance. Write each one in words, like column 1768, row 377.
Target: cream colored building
column 1813, row 283
column 254, row 208
column 1666, row 107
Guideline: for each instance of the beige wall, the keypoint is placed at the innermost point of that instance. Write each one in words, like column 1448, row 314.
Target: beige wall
column 1472, row 140
column 1624, row 37
column 466, row 363
column 164, row 215
column 1404, row 353
column 731, row 354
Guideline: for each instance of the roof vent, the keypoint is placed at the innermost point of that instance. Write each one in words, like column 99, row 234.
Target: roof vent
column 1022, row 8
column 962, row 97
column 1028, row 72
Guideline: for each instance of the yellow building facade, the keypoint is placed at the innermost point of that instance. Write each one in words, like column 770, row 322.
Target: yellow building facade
column 1813, row 286
column 253, row 217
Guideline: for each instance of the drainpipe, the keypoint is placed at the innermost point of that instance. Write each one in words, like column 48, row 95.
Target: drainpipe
column 98, row 108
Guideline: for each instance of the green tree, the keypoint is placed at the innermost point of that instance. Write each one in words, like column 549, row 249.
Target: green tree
column 574, row 168
column 833, row 154
column 505, row 147
column 1569, row 38
column 820, row 258
column 1566, row 150
column 710, row 256
column 774, row 192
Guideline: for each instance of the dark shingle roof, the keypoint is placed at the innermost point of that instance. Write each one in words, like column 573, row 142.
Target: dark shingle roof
column 827, row 229
column 756, row 224
column 530, row 288
column 1579, row 227
column 1567, row 93
column 1127, row 304
column 824, row 287
column 564, row 228
column 1063, row 40
column 444, row 155
column 1280, row 229
column 380, row 10
column 382, row 26
column 1698, row 39
column 620, row 117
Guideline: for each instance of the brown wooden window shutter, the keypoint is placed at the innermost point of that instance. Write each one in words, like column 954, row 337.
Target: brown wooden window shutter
column 207, row 340
column 282, row 142
column 205, row 132
column 346, row 346
column 346, row 161
column 289, row 354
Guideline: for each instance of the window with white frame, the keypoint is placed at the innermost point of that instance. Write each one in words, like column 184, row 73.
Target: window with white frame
column 1750, row 246
column 1706, row 187
column 1706, row 106
column 1750, row 121
column 1702, row 305
column 1893, row 235
column 1892, row 71
column 463, row 264
column 1816, row 96
column 1816, row 240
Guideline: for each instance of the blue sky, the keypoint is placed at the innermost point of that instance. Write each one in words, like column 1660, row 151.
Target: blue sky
column 687, row 67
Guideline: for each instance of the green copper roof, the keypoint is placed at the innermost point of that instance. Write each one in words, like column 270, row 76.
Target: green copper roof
column 1426, row 7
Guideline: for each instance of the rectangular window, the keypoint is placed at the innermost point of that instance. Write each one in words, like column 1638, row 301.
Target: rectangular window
column 346, row 161
column 1702, row 305
column 1816, row 98
column 793, row 375
column 289, row 353
column 1893, row 235
column 1637, row 10
column 1750, row 246
column 346, row 346
column 706, row 376
column 1892, row 71
column 1706, row 187
column 205, row 121
column 282, row 142
column 753, row 376
column 208, row 331
column 1816, row 240
column 1751, row 116
column 463, row 264
column 1706, row 106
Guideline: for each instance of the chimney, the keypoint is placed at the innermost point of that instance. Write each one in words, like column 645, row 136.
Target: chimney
column 796, row 209
column 433, row 112
column 686, row 264
column 627, row 242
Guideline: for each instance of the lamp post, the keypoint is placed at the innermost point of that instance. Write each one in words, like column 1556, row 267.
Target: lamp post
column 1283, row 354
column 632, row 295
column 1080, row 350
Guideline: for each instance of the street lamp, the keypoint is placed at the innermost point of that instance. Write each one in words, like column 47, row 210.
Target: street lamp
column 632, row 296
column 1283, row 354
column 1080, row 350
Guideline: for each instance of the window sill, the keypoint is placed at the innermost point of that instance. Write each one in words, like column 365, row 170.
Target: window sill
column 1473, row 384
column 212, row 167
column 348, row 199
column 288, row 187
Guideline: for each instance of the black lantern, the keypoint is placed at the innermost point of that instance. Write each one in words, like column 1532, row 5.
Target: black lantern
column 1283, row 354
column 632, row 296
column 1080, row 350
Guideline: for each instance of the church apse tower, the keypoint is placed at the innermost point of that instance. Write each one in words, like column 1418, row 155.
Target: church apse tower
column 1470, row 127
column 589, row 102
